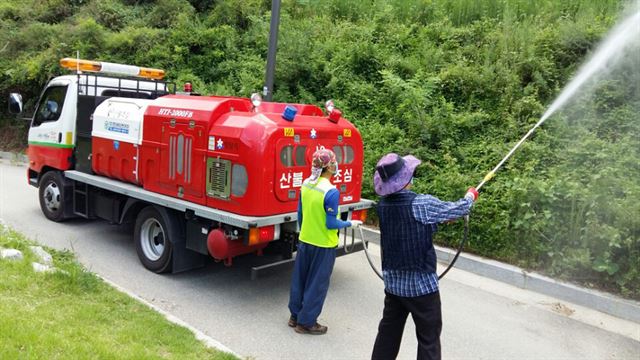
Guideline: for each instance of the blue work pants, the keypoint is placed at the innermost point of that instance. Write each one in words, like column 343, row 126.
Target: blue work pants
column 310, row 282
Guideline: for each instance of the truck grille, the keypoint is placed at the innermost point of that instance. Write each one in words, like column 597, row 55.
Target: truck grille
column 218, row 177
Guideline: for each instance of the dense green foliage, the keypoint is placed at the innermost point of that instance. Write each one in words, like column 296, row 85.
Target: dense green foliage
column 455, row 83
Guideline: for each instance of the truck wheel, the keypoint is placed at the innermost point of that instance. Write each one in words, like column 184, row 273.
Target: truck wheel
column 52, row 196
column 153, row 235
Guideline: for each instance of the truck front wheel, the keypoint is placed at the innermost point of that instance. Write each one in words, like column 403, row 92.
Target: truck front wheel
column 52, row 196
column 154, row 233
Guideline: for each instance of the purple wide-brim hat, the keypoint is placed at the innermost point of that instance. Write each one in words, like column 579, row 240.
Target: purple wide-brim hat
column 393, row 173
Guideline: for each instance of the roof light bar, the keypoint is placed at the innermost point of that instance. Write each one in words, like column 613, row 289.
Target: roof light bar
column 106, row 67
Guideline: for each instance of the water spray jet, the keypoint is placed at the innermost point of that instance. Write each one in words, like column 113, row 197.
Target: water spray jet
column 606, row 55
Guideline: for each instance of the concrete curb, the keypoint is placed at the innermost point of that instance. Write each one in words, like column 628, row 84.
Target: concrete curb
column 14, row 157
column 513, row 275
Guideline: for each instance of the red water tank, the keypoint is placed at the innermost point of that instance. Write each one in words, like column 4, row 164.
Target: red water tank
column 222, row 248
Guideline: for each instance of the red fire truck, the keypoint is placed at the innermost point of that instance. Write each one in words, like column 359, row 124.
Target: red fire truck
column 198, row 175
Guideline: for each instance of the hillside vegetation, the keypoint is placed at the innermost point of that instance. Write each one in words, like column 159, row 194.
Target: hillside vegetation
column 456, row 83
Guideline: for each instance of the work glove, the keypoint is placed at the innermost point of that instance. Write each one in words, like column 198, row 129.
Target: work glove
column 356, row 223
column 472, row 194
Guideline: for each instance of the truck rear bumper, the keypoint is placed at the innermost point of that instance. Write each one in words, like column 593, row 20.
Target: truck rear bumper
column 283, row 265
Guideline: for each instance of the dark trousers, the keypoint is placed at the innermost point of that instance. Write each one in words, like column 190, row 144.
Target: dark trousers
column 427, row 315
column 310, row 282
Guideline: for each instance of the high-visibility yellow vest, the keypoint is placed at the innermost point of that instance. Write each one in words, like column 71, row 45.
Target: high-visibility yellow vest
column 314, row 219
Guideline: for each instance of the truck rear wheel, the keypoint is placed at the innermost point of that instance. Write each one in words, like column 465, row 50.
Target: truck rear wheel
column 154, row 233
column 52, row 196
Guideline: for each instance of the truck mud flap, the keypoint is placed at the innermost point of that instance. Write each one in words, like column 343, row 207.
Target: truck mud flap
column 185, row 259
column 283, row 265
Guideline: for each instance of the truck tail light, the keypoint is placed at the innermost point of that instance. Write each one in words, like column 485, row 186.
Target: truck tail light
column 263, row 234
column 335, row 115
column 359, row 215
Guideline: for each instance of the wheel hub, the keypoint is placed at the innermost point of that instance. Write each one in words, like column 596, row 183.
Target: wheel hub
column 52, row 197
column 152, row 239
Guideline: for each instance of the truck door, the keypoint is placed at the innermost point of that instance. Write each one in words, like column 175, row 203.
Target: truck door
column 183, row 159
column 51, row 131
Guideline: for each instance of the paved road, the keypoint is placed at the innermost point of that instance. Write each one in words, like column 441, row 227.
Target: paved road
column 483, row 319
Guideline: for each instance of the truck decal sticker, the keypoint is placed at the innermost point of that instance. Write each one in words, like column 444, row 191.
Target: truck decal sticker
column 291, row 180
column 117, row 127
column 297, row 179
column 343, row 177
column 314, row 134
column 285, row 180
column 121, row 114
column 179, row 113
column 219, row 144
column 347, row 175
column 42, row 143
column 289, row 132
column 69, row 138
column 346, row 132
column 51, row 136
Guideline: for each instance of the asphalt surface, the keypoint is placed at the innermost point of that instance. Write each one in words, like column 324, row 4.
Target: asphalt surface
column 483, row 319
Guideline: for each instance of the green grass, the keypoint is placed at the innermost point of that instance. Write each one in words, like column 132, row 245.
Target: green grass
column 74, row 314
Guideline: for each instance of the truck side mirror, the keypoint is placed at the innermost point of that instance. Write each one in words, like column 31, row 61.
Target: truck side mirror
column 15, row 103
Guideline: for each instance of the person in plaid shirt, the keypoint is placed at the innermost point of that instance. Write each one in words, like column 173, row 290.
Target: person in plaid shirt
column 407, row 224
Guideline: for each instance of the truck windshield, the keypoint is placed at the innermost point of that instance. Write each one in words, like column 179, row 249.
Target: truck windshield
column 50, row 105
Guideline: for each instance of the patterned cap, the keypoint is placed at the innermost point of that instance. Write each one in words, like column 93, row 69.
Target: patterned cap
column 323, row 158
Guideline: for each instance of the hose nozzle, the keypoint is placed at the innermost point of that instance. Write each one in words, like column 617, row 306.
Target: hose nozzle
column 489, row 176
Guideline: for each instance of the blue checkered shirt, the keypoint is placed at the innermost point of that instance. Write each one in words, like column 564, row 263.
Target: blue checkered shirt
column 428, row 210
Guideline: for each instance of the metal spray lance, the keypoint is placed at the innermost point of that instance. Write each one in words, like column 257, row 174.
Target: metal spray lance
column 491, row 173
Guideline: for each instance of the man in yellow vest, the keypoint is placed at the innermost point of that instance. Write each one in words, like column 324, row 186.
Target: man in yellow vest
column 318, row 239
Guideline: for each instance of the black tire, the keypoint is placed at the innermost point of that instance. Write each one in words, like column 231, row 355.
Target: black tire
column 154, row 234
column 52, row 196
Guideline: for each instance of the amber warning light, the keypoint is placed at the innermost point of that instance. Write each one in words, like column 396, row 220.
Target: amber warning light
column 111, row 68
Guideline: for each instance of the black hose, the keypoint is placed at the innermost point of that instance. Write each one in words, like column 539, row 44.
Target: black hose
column 366, row 252
column 465, row 236
column 460, row 247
